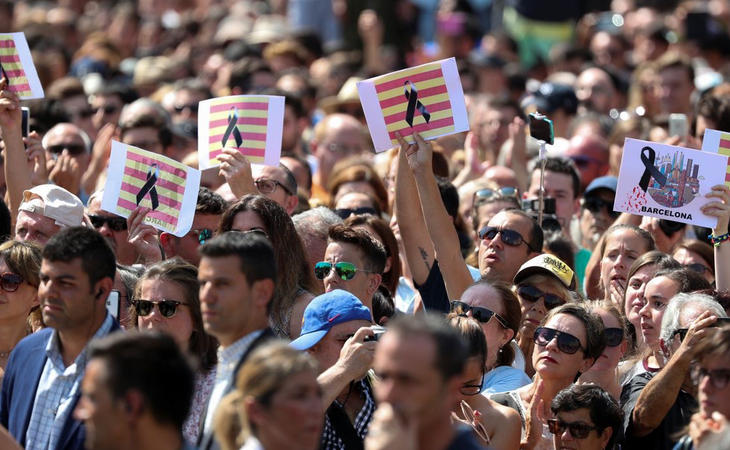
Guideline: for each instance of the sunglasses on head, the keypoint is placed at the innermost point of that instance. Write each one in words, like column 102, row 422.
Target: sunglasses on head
column 481, row 314
column 718, row 377
column 595, row 205
column 10, row 281
column 167, row 308
column 510, row 237
column 344, row 270
column 203, row 234
column 486, row 194
column 614, row 336
column 533, row 294
column 579, row 430
column 344, row 213
column 73, row 149
column 567, row 343
column 114, row 223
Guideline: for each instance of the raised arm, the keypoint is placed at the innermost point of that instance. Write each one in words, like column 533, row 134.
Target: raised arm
column 720, row 209
column 440, row 225
column 17, row 173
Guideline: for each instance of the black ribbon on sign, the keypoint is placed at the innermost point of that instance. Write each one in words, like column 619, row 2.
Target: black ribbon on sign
column 233, row 128
column 413, row 103
column 153, row 174
column 647, row 158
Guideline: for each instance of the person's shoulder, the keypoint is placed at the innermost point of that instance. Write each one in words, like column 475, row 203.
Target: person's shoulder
column 464, row 440
column 33, row 340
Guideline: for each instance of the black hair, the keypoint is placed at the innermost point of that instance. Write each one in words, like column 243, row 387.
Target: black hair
column 603, row 409
column 449, row 196
column 565, row 166
column 372, row 249
column 210, row 202
column 687, row 279
column 152, row 364
column 383, row 305
column 97, row 258
column 254, row 251
column 537, row 236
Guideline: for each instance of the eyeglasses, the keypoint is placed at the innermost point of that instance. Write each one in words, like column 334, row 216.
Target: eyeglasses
column 344, row 213
column 203, row 234
column 259, row 231
column 699, row 268
column 718, row 377
column 167, row 308
column 344, row 270
column 481, row 314
column 10, row 282
column 682, row 332
column 533, row 294
column 595, row 205
column 614, row 336
column 193, row 107
column 472, row 418
column 486, row 194
column 267, row 186
column 114, row 223
column 509, row 237
column 73, row 149
column 579, row 430
column 567, row 343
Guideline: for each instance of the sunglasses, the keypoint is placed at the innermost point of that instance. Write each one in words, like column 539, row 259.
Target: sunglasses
column 268, row 186
column 10, row 282
column 682, row 332
column 614, row 336
column 114, row 223
column 718, row 377
column 167, row 308
column 482, row 315
column 344, row 270
column 699, row 268
column 203, row 234
column 107, row 109
column 533, row 294
column 344, row 213
column 73, row 149
column 578, row 430
column 567, row 343
column 486, row 194
column 193, row 107
column 509, row 237
column 595, row 205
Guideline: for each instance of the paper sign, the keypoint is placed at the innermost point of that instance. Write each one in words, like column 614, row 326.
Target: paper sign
column 137, row 177
column 250, row 123
column 427, row 99
column 667, row 182
column 716, row 141
column 17, row 65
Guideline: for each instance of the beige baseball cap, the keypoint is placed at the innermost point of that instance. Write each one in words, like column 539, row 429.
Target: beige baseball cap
column 547, row 265
column 55, row 203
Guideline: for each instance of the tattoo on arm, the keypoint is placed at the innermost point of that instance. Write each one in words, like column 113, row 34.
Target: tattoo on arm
column 424, row 256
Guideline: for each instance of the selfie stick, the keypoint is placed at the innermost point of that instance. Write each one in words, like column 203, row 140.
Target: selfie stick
column 543, row 161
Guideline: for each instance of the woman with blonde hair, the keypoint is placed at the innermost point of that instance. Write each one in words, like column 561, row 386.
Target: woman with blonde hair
column 277, row 404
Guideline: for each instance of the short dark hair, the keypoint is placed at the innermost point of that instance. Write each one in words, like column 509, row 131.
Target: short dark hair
column 97, row 258
column 209, row 202
column 562, row 165
column 537, row 236
column 716, row 109
column 373, row 250
column 687, row 279
column 151, row 363
column 595, row 337
column 254, row 251
column 451, row 351
column 603, row 409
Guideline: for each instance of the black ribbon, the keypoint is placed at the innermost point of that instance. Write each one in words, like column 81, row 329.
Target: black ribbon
column 650, row 170
column 233, row 128
column 413, row 103
column 149, row 186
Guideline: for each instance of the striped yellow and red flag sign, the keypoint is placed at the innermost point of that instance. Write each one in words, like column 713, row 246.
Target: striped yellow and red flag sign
column 716, row 141
column 16, row 65
column 252, row 124
column 139, row 178
column 427, row 99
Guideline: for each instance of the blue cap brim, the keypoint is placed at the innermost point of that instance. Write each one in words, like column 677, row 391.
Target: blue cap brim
column 307, row 341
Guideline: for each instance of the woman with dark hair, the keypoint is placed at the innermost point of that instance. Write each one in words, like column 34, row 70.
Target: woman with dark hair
column 567, row 343
column 294, row 280
column 498, row 426
column 20, row 264
column 496, row 308
column 166, row 299
column 380, row 230
column 698, row 256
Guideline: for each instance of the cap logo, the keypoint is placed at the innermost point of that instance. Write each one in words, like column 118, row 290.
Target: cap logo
column 333, row 318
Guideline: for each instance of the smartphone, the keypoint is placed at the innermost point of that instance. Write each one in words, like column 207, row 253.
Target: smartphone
column 678, row 125
column 112, row 304
column 541, row 128
column 25, row 120
column 377, row 332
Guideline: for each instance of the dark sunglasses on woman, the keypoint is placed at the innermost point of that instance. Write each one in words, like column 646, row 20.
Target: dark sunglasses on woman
column 567, row 343
column 10, row 282
column 481, row 314
column 614, row 336
column 167, row 308
column 533, row 294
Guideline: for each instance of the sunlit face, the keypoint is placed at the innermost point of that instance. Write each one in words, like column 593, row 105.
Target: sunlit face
column 658, row 292
column 327, row 350
column 534, row 312
column 15, row 306
column 687, row 257
column 560, row 187
column 551, row 362
column 247, row 221
column 118, row 240
column 68, row 300
column 711, row 398
column 361, row 285
column 179, row 326
column 635, row 299
column 594, row 440
column 499, row 259
column 34, row 227
column 623, row 246
column 611, row 356
column 594, row 224
column 497, row 336
column 186, row 247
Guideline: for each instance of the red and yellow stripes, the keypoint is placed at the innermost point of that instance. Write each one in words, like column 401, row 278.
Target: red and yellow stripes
column 10, row 60
column 252, row 122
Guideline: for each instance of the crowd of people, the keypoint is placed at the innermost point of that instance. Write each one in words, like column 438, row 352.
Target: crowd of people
column 343, row 299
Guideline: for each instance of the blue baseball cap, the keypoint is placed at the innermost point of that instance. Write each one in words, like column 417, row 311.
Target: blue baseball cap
column 606, row 182
column 324, row 312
